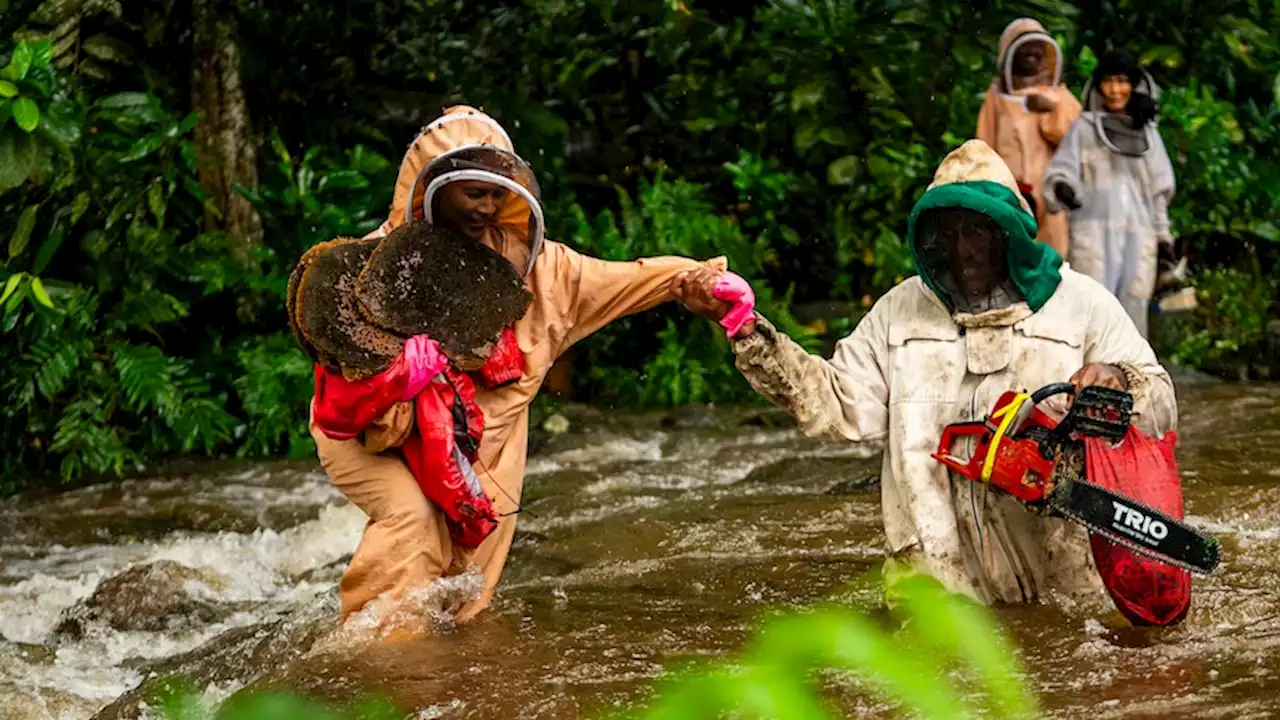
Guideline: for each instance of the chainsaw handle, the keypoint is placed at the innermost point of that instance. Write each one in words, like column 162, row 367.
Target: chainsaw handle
column 950, row 434
column 1048, row 391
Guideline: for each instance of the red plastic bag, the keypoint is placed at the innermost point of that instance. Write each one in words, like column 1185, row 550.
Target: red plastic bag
column 1145, row 591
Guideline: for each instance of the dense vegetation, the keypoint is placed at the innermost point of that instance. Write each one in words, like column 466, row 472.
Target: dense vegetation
column 163, row 163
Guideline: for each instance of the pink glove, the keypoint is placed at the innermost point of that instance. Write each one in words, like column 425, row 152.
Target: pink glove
column 732, row 288
column 423, row 361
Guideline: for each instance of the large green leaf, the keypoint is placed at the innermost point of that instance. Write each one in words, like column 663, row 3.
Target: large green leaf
column 11, row 286
column 26, row 113
column 8, row 89
column 22, row 233
column 61, row 123
column 39, row 293
column 41, row 52
column 844, row 170
column 17, row 157
column 143, row 147
column 121, row 101
column 344, row 179
column 79, row 205
column 47, row 250
column 19, row 62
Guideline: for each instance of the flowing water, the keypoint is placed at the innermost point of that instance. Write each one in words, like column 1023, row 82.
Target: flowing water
column 647, row 540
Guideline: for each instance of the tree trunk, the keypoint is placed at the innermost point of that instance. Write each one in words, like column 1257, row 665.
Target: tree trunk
column 226, row 148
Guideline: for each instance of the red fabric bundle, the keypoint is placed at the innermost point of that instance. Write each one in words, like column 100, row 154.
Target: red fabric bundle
column 445, row 441
column 1145, row 591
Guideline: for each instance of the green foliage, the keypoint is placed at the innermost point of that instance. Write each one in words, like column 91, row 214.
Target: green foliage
column 792, row 136
column 113, row 304
column 693, row 362
column 1230, row 325
column 180, row 701
column 948, row 647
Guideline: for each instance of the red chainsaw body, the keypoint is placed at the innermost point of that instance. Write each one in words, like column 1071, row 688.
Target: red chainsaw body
column 1018, row 468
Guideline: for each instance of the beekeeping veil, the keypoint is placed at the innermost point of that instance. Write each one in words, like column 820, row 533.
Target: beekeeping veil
column 519, row 228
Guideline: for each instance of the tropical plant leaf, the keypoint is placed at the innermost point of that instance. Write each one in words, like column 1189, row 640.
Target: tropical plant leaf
column 11, row 286
column 26, row 114
column 19, row 61
column 22, row 233
column 145, row 377
column 39, row 293
column 47, row 250
column 56, row 362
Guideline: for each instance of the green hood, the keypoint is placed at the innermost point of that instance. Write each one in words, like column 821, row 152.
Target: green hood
column 973, row 177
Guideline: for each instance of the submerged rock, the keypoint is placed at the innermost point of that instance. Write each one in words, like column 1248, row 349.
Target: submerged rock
column 150, row 597
column 236, row 657
column 851, row 475
column 855, row 485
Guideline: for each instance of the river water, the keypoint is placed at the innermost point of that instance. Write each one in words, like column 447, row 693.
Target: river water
column 647, row 540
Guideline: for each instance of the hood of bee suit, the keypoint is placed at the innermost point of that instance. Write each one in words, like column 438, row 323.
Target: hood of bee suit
column 1019, row 33
column 518, row 230
column 974, row 177
column 460, row 127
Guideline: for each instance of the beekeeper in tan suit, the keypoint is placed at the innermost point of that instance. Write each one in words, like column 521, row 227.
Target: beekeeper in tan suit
column 406, row 545
column 1026, row 113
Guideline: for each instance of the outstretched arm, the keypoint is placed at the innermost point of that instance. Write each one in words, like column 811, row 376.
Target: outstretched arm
column 601, row 291
column 844, row 398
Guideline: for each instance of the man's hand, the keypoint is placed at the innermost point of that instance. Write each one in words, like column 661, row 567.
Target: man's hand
column 1041, row 103
column 696, row 288
column 1101, row 374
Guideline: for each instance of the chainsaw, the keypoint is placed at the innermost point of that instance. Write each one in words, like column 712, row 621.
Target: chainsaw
column 1040, row 460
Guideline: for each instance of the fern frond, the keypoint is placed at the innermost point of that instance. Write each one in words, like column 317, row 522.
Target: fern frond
column 146, row 309
column 146, row 377
column 203, row 423
column 87, row 442
column 56, row 361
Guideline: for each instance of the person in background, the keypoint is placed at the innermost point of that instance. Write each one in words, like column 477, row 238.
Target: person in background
column 1113, row 174
column 407, row 545
column 1026, row 113
column 990, row 310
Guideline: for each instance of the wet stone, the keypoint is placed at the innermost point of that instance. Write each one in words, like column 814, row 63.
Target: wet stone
column 850, row 475
column 150, row 597
column 855, row 485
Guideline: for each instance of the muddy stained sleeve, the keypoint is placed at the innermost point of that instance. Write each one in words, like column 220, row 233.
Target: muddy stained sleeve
column 602, row 291
column 844, row 398
column 1113, row 338
column 1065, row 167
column 1055, row 124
